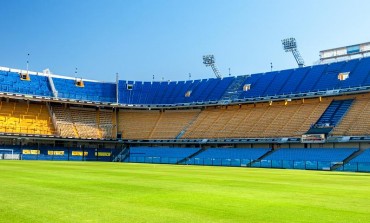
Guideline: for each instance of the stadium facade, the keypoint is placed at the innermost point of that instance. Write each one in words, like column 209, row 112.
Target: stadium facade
column 314, row 117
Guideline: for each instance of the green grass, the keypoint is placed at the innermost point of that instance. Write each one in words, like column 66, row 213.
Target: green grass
column 33, row 191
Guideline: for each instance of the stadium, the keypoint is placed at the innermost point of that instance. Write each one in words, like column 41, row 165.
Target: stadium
column 285, row 143
column 312, row 117
column 308, row 118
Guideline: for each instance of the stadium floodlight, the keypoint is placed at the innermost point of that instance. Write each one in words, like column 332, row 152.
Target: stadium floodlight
column 209, row 61
column 290, row 45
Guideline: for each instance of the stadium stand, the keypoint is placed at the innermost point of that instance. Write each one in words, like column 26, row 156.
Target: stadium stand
column 287, row 82
column 363, row 157
column 258, row 120
column 154, row 124
column 334, row 113
column 172, row 92
column 359, row 163
column 331, row 117
column 159, row 155
column 64, row 123
column 312, row 79
column 85, row 123
column 34, row 85
column 356, row 122
column 86, row 91
column 77, row 122
column 106, row 123
column 310, row 154
column 228, row 156
column 318, row 158
column 25, row 118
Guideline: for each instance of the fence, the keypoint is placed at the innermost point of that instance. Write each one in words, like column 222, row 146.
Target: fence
column 281, row 164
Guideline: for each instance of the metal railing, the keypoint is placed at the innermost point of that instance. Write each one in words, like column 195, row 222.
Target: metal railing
column 279, row 164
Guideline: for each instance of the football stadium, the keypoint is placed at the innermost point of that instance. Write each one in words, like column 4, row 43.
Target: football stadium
column 280, row 145
column 307, row 118
column 310, row 117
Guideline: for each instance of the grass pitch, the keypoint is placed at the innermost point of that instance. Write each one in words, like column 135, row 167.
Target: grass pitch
column 34, row 191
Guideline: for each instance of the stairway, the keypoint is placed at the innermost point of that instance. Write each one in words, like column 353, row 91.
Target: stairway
column 261, row 158
column 235, row 89
column 183, row 131
column 331, row 117
column 183, row 161
column 122, row 155
column 346, row 160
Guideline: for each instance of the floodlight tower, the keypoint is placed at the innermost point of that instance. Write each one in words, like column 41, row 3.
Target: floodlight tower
column 290, row 45
column 209, row 60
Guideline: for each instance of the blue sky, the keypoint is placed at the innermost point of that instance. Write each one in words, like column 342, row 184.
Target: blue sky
column 167, row 38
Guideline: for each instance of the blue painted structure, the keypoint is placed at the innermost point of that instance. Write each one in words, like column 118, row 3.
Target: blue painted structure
column 12, row 83
column 92, row 91
column 159, row 155
column 311, row 79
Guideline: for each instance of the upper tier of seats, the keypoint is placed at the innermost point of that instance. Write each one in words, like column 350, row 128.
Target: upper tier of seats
column 294, row 81
column 90, row 91
column 345, row 74
column 37, row 85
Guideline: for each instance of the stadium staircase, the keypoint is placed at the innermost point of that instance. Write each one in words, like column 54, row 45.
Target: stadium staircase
column 53, row 119
column 331, row 117
column 183, row 131
column 156, row 124
column 261, row 158
column 122, row 155
column 347, row 160
column 183, row 161
column 52, row 86
column 232, row 92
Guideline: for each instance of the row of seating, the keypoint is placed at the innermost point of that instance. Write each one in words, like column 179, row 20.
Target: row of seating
column 258, row 120
column 356, row 122
column 293, row 158
column 301, row 80
column 293, row 81
column 277, row 119
column 12, row 82
column 334, row 113
column 88, row 91
column 25, row 118
column 297, row 154
column 316, row 154
column 84, row 123
column 173, row 92
column 280, row 119
column 136, row 124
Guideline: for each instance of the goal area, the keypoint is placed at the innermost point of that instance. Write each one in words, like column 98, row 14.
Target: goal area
column 8, row 154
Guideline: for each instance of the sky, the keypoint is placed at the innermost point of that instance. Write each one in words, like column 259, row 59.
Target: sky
column 167, row 38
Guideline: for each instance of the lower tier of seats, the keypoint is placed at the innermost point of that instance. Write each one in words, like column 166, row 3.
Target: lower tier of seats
column 287, row 158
